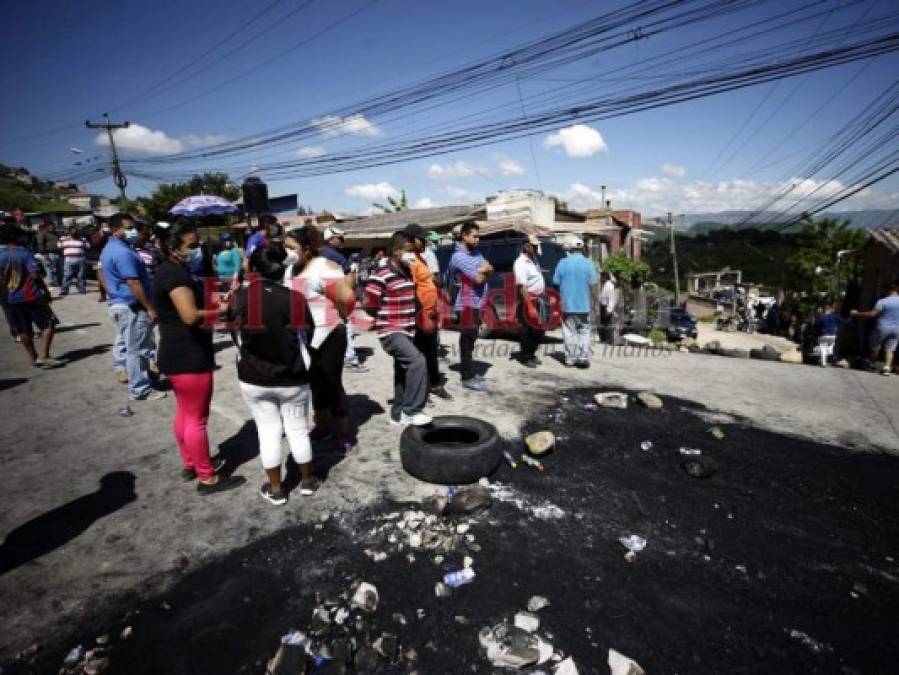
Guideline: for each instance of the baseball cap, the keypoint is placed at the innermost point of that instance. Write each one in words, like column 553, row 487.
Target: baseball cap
column 331, row 232
column 434, row 236
column 575, row 242
column 164, row 225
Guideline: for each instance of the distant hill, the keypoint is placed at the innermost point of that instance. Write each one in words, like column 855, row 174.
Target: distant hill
column 20, row 190
column 699, row 223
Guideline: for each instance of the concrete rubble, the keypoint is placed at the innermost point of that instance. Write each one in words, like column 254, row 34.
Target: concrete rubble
column 611, row 399
column 619, row 664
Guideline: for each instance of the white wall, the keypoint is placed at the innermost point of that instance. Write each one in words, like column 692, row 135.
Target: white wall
column 531, row 204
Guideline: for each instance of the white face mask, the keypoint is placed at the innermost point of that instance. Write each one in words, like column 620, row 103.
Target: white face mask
column 292, row 258
column 408, row 258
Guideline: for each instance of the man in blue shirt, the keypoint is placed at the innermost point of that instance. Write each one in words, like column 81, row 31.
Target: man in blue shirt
column 574, row 276
column 25, row 297
column 886, row 333
column 469, row 271
column 131, row 310
column 262, row 236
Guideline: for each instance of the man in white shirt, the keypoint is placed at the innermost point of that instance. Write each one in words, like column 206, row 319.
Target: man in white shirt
column 530, row 287
column 607, row 304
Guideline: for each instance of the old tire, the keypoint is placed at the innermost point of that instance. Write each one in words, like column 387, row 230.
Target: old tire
column 453, row 450
column 764, row 354
column 734, row 353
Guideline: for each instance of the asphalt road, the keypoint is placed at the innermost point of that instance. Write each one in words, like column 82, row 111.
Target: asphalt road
column 127, row 542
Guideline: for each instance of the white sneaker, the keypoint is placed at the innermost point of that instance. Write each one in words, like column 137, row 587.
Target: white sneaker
column 419, row 419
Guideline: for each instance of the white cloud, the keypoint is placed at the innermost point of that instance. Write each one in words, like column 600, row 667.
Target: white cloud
column 141, row 139
column 654, row 196
column 380, row 190
column 424, row 203
column 332, row 125
column 578, row 140
column 509, row 167
column 454, row 170
column 673, row 170
column 311, row 151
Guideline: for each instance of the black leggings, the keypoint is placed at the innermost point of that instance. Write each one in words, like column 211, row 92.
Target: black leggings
column 326, row 374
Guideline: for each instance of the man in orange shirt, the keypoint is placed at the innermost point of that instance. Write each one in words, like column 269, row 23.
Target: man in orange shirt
column 428, row 321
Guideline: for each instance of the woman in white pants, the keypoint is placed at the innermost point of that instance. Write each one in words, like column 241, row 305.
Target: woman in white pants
column 273, row 369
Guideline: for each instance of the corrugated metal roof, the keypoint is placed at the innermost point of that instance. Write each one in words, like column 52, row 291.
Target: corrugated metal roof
column 385, row 224
column 888, row 236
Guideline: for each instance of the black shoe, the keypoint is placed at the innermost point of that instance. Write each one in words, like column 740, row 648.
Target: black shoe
column 278, row 498
column 529, row 363
column 441, row 392
column 221, row 485
column 308, row 487
column 190, row 474
column 583, row 365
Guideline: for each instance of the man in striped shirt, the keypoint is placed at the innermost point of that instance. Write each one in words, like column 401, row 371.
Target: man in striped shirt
column 390, row 298
column 73, row 250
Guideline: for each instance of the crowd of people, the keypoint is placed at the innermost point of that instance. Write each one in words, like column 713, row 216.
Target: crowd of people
column 291, row 301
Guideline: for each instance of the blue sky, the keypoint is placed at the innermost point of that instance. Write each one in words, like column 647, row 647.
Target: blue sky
column 77, row 60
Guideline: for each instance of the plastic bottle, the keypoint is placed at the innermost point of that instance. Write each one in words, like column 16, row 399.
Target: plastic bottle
column 460, row 578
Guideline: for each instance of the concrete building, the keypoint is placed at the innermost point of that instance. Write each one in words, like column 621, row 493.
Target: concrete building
column 881, row 265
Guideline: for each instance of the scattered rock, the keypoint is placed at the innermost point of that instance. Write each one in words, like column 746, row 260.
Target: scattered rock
column 462, row 528
column 619, row 664
column 566, row 667
column 467, row 561
column 387, row 646
column 648, row 400
column 734, row 353
column 540, row 442
column 843, row 363
column 73, row 658
column 793, row 356
column 102, row 640
column 510, row 647
column 701, row 467
column 341, row 615
column 471, row 500
column 611, row 399
column 537, row 602
column 716, row 432
column 96, row 665
column 365, row 597
column 441, row 590
column 436, row 505
column 633, row 542
column 527, row 621
column 712, row 346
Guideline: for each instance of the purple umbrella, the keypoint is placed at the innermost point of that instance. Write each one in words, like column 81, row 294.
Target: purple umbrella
column 202, row 205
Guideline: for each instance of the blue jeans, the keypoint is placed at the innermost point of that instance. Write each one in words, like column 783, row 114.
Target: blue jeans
column 50, row 263
column 133, row 345
column 73, row 269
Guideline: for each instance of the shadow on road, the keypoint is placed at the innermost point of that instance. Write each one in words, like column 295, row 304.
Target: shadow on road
column 55, row 528
column 12, row 382
column 241, row 447
column 79, row 326
column 74, row 355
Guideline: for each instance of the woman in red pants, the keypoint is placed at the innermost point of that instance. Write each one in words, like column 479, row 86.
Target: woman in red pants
column 186, row 356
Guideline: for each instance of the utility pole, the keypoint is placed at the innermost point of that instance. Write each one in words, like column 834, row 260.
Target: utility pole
column 674, row 261
column 117, row 175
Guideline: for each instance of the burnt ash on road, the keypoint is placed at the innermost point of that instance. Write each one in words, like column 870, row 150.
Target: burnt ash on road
column 786, row 560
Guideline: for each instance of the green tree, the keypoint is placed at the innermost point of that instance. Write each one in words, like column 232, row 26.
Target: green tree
column 395, row 205
column 626, row 269
column 829, row 255
column 156, row 206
